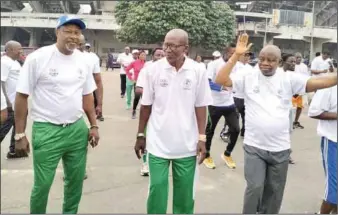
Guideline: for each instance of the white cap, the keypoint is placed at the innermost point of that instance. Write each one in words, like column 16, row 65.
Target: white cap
column 135, row 51
column 87, row 45
column 216, row 54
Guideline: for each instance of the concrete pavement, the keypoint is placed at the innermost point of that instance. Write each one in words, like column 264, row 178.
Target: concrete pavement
column 114, row 184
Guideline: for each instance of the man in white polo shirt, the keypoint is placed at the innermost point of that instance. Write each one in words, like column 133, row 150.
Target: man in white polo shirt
column 10, row 71
column 61, row 84
column 267, row 96
column 3, row 107
column 124, row 59
column 324, row 108
column 321, row 65
column 175, row 99
column 98, row 94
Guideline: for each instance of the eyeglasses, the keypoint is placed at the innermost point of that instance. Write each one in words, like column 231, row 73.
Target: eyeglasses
column 172, row 47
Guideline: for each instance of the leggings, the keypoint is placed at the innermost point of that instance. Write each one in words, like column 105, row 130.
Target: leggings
column 136, row 98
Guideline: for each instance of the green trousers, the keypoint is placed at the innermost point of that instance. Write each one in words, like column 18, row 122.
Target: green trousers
column 183, row 171
column 51, row 143
column 129, row 90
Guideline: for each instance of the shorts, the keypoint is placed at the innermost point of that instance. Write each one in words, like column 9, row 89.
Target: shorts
column 329, row 155
column 297, row 102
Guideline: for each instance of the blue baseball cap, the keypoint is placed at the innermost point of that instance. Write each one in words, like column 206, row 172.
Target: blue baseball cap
column 64, row 20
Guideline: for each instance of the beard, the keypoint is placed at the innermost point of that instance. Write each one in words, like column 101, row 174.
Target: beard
column 71, row 46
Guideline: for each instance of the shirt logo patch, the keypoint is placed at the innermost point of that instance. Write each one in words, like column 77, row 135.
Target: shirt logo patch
column 164, row 82
column 187, row 84
column 53, row 72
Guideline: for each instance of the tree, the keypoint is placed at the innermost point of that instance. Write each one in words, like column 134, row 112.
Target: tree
column 209, row 24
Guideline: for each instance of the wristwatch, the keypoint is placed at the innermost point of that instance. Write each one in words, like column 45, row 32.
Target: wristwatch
column 202, row 138
column 140, row 135
column 18, row 137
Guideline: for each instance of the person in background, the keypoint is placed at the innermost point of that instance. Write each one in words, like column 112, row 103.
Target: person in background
column 124, row 59
column 324, row 108
column 141, row 80
column 129, row 82
column 198, row 60
column 321, row 65
column 137, row 65
column 10, row 72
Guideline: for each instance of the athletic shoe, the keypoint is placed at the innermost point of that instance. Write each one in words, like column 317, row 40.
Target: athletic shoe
column 291, row 161
column 144, row 169
column 133, row 116
column 209, row 163
column 229, row 161
column 13, row 155
column 128, row 107
column 297, row 125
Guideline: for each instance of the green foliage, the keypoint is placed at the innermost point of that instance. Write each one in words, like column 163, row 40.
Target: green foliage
column 209, row 24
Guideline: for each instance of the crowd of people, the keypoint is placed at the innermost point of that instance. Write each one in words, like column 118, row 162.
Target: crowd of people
column 181, row 102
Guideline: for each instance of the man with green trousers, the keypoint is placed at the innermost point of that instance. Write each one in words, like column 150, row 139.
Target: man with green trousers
column 175, row 97
column 61, row 85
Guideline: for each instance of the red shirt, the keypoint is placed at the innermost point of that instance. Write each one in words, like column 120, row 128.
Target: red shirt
column 137, row 65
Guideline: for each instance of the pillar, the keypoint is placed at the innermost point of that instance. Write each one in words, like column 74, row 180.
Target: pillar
column 34, row 37
column 7, row 34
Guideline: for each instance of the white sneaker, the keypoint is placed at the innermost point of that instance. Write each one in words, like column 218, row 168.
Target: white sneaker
column 145, row 169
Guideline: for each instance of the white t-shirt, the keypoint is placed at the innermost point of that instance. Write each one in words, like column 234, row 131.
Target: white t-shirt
column 325, row 101
column 57, row 84
column 223, row 98
column 172, row 127
column 10, row 71
column 302, row 69
column 94, row 61
column 202, row 65
column 320, row 64
column 142, row 75
column 3, row 100
column 124, row 60
column 267, row 105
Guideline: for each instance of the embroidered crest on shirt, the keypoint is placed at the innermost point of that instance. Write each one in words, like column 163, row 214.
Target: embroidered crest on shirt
column 164, row 82
column 187, row 84
column 53, row 72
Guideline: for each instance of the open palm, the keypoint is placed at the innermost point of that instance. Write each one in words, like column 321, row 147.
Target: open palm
column 242, row 44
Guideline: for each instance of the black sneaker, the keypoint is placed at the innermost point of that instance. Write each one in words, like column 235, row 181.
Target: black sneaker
column 297, row 125
column 133, row 116
column 122, row 96
column 13, row 155
column 101, row 118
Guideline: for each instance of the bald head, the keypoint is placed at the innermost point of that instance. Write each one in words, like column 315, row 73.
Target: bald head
column 13, row 49
column 298, row 57
column 272, row 50
column 180, row 34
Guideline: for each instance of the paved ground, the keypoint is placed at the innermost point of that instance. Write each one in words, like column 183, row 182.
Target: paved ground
column 115, row 185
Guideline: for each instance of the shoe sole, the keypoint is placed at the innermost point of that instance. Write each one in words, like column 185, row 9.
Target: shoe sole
column 227, row 164
column 144, row 174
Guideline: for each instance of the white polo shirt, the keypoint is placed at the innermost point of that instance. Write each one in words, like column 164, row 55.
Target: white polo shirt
column 94, row 61
column 172, row 127
column 302, row 69
column 57, row 83
column 319, row 63
column 124, row 60
column 267, row 107
column 223, row 98
column 3, row 100
column 240, row 69
column 10, row 71
column 325, row 101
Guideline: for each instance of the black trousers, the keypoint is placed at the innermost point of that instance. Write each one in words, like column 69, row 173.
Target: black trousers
column 123, row 78
column 231, row 117
column 136, row 98
column 241, row 110
column 6, row 127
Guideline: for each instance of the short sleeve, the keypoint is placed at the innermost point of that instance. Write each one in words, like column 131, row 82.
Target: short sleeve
column 3, row 100
column 298, row 83
column 28, row 77
column 89, row 86
column 314, row 64
column 141, row 78
column 211, row 70
column 148, row 94
column 238, row 82
column 203, row 93
column 96, row 67
column 5, row 68
column 320, row 103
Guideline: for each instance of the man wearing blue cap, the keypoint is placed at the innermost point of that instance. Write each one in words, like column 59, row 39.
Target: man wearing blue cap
column 61, row 85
